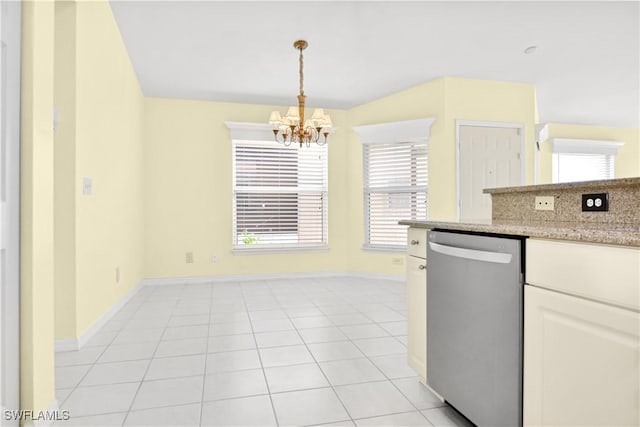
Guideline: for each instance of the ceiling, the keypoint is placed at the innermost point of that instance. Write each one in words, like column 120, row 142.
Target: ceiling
column 586, row 68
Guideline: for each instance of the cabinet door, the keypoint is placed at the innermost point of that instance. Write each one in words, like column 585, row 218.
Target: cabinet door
column 417, row 314
column 581, row 362
column 417, row 242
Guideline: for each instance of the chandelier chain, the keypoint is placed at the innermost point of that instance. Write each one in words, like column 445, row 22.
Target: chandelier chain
column 301, row 73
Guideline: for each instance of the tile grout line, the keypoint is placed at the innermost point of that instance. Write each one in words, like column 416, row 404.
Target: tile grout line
column 147, row 370
column 95, row 362
column 379, row 370
column 385, row 375
column 264, row 374
column 206, row 357
column 318, row 365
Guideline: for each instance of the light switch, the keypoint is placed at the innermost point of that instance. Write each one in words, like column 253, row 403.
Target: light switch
column 87, row 185
column 56, row 118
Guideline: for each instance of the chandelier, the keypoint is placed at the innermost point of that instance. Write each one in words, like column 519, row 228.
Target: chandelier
column 292, row 128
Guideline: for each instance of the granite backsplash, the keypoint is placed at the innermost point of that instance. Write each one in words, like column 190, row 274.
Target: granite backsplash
column 518, row 203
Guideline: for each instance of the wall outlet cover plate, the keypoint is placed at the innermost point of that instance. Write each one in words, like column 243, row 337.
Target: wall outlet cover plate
column 595, row 202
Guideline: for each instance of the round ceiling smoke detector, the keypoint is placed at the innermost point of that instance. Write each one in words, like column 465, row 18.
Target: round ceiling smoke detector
column 530, row 50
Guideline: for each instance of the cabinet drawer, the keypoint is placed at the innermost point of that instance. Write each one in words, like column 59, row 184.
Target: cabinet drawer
column 605, row 273
column 417, row 242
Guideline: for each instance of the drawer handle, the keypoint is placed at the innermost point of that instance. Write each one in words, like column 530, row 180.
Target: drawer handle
column 415, row 242
column 422, row 267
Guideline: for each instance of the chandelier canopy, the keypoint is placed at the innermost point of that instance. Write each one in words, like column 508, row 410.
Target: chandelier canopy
column 292, row 128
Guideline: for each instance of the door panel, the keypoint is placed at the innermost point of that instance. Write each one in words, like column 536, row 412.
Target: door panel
column 489, row 157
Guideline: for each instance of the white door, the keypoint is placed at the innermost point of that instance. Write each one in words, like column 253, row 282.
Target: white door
column 488, row 157
column 9, row 206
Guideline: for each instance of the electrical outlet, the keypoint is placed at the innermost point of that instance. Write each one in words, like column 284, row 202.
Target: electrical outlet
column 544, row 203
column 117, row 274
column 397, row 261
column 189, row 257
column 596, row 202
column 214, row 258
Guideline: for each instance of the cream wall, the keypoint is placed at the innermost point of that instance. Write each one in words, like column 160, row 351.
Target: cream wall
column 65, row 185
column 36, row 205
column 100, row 137
column 188, row 164
column 447, row 99
column 110, row 221
column 188, row 193
column 627, row 163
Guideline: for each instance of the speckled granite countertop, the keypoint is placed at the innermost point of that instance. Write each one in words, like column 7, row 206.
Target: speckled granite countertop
column 513, row 212
column 581, row 185
column 612, row 234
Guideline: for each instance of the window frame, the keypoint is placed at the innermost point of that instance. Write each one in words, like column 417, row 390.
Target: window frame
column 412, row 190
column 262, row 134
column 405, row 132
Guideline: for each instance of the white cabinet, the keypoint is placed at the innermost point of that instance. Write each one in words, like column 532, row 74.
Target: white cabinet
column 581, row 353
column 606, row 273
column 417, row 301
column 417, row 242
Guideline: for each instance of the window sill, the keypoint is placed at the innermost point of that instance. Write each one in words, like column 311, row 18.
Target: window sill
column 279, row 250
column 387, row 249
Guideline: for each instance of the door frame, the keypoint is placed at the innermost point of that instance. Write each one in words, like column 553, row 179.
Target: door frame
column 478, row 123
column 10, row 73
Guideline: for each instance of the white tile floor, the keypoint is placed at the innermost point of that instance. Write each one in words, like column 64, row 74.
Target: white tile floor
column 257, row 353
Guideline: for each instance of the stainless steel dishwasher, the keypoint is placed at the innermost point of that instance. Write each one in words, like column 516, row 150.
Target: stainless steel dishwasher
column 474, row 325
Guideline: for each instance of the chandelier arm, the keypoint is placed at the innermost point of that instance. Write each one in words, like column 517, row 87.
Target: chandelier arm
column 279, row 137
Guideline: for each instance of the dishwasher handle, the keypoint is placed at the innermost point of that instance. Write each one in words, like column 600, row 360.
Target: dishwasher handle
column 474, row 254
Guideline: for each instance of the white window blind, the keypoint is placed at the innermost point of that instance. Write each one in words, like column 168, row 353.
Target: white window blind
column 583, row 159
column 395, row 188
column 279, row 195
column 571, row 167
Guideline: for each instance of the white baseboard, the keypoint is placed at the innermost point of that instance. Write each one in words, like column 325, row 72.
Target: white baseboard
column 222, row 278
column 377, row 276
column 66, row 345
column 77, row 343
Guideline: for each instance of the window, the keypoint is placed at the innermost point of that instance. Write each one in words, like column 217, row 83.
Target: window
column 571, row 167
column 279, row 195
column 395, row 188
column 583, row 160
column 395, row 180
